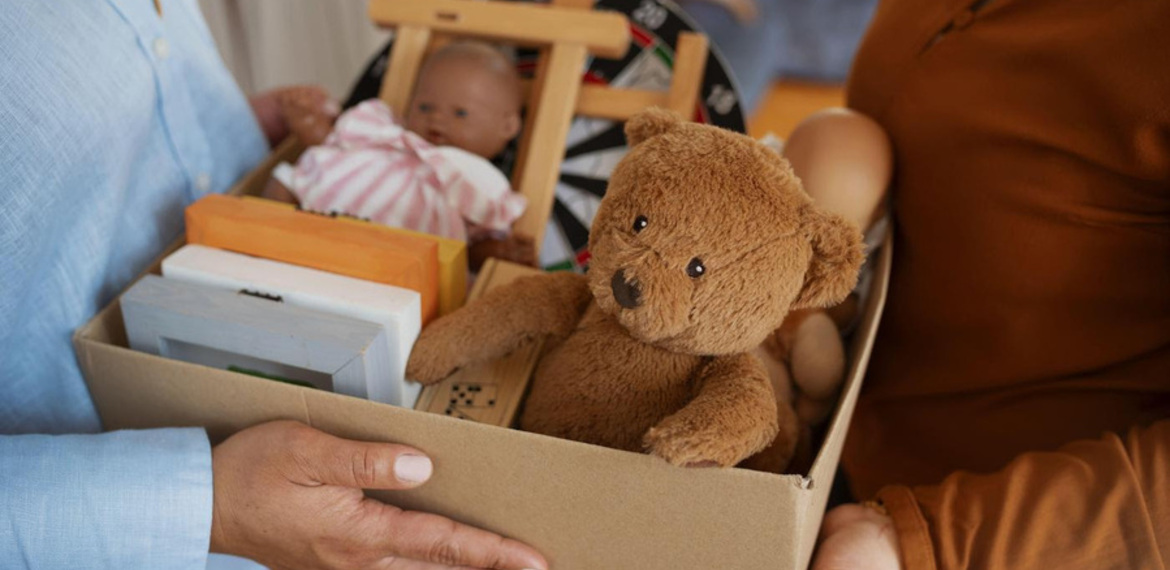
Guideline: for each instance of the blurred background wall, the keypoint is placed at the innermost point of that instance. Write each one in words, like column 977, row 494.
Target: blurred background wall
column 273, row 43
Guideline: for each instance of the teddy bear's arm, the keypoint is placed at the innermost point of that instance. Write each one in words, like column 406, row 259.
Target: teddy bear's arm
column 539, row 306
column 732, row 417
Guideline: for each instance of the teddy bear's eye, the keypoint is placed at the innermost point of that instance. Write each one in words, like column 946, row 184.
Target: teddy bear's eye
column 640, row 223
column 695, row 268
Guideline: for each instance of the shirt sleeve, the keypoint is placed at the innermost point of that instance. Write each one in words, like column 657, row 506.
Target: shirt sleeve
column 478, row 190
column 1100, row 504
column 127, row 499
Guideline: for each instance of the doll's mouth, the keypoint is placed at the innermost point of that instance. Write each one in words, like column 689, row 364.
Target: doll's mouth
column 435, row 137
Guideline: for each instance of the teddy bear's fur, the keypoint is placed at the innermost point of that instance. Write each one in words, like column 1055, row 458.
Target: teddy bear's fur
column 702, row 245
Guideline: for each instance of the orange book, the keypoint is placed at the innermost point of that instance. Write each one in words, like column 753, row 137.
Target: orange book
column 452, row 259
column 273, row 231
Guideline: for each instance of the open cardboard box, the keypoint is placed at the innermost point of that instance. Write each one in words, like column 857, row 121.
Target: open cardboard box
column 583, row 506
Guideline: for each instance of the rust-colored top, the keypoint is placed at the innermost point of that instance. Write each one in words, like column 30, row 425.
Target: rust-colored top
column 1030, row 298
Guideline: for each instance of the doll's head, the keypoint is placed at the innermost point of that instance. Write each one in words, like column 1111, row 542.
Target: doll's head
column 467, row 96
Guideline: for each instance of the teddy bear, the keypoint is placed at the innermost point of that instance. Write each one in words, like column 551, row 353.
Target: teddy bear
column 702, row 245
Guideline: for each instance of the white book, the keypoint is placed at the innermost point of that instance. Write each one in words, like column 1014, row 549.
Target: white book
column 396, row 309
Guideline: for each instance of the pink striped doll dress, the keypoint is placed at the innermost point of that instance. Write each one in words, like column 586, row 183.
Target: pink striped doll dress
column 371, row 167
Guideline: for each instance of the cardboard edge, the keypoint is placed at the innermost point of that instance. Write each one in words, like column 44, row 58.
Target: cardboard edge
column 824, row 468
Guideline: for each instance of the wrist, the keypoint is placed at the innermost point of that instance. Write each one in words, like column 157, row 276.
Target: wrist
column 219, row 536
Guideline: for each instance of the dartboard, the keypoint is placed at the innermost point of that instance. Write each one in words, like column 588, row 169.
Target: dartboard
column 595, row 146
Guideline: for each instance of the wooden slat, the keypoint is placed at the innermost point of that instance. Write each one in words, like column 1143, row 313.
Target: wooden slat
column 604, row 102
column 406, row 57
column 539, row 167
column 531, row 97
column 617, row 104
column 606, row 34
column 690, row 60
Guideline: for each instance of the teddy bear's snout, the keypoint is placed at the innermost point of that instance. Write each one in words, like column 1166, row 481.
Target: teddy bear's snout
column 625, row 291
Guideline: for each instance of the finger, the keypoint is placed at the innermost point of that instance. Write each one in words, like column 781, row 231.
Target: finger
column 843, row 516
column 332, row 460
column 331, row 107
column 439, row 540
column 398, row 563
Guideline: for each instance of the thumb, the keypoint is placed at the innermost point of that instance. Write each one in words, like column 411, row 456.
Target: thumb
column 332, row 460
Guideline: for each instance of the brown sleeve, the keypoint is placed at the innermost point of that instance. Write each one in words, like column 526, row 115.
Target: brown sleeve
column 1098, row 504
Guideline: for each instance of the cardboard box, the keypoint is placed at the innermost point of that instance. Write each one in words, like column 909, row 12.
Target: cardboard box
column 585, row 507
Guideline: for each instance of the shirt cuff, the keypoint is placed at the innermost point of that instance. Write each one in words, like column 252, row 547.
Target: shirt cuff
column 913, row 533
column 127, row 499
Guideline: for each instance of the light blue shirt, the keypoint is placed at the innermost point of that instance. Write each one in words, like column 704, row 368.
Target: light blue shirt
column 112, row 120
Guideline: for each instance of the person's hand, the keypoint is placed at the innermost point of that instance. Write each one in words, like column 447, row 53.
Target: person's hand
column 857, row 537
column 304, row 110
column 289, row 496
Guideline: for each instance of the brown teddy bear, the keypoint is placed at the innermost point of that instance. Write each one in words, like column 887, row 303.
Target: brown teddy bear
column 702, row 245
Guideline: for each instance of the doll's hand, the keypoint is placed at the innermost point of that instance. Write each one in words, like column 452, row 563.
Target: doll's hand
column 517, row 248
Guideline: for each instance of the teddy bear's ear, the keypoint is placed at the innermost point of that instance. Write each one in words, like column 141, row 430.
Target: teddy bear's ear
column 649, row 123
column 838, row 252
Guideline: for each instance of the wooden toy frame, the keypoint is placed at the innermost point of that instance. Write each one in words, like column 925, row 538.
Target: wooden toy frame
column 566, row 32
column 395, row 309
column 217, row 328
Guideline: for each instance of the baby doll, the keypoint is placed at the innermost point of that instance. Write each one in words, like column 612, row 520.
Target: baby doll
column 429, row 170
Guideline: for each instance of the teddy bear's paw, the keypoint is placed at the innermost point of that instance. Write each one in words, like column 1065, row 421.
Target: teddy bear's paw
column 428, row 365
column 685, row 444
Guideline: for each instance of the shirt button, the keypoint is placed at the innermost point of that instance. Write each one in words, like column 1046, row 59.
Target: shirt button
column 162, row 49
column 203, row 182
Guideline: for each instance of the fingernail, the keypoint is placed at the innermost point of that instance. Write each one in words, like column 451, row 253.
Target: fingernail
column 413, row 468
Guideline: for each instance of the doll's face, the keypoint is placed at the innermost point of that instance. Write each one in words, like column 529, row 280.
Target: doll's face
column 464, row 102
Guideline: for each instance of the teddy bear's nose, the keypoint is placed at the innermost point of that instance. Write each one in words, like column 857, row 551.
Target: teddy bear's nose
column 625, row 291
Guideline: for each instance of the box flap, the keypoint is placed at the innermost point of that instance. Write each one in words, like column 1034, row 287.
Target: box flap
column 584, row 506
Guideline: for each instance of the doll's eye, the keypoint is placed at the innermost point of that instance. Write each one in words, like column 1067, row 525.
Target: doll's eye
column 461, row 113
column 425, row 107
column 695, row 268
column 640, row 223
